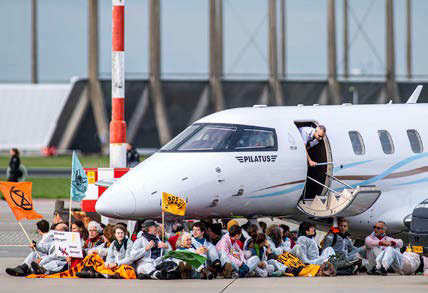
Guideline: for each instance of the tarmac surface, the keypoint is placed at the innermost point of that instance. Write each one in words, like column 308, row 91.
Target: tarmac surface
column 13, row 249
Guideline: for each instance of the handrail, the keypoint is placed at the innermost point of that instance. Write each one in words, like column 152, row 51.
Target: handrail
column 340, row 181
column 334, row 191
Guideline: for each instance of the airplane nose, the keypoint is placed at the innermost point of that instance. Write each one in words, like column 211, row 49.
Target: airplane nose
column 118, row 201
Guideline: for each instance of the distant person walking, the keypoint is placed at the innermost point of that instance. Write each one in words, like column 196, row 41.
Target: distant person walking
column 132, row 156
column 14, row 164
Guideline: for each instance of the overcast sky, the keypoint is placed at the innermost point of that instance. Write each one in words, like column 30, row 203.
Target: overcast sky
column 184, row 26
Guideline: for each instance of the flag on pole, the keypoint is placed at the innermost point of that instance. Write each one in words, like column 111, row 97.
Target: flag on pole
column 194, row 259
column 79, row 181
column 173, row 204
column 18, row 197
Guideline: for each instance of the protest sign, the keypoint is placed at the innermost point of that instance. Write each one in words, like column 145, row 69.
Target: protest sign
column 68, row 244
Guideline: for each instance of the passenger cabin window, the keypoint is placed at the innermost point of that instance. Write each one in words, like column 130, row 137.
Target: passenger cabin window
column 386, row 142
column 255, row 139
column 357, row 142
column 212, row 137
column 415, row 141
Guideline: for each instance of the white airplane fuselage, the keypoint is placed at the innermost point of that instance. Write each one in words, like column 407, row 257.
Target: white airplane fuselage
column 254, row 183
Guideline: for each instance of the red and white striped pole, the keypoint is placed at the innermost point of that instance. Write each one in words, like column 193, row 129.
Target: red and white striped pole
column 117, row 124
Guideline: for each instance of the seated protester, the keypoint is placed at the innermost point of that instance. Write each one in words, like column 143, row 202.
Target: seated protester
column 341, row 243
column 231, row 255
column 286, row 236
column 307, row 248
column 147, row 252
column 184, row 242
column 108, row 237
column 79, row 227
column 293, row 237
column 177, row 229
column 214, row 233
column 263, row 226
column 95, row 237
column 376, row 242
column 198, row 240
column 259, row 250
column 137, row 229
column 51, row 263
column 42, row 247
column 275, row 240
column 242, row 239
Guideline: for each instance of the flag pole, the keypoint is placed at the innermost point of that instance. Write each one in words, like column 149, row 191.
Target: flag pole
column 163, row 226
column 29, row 240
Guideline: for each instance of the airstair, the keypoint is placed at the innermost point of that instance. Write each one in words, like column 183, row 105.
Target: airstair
column 344, row 202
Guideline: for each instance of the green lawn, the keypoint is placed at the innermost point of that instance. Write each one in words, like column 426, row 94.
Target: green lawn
column 50, row 188
column 58, row 161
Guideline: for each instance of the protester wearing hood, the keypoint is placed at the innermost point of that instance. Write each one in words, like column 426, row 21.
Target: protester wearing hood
column 42, row 248
column 376, row 243
column 147, row 252
column 307, row 248
column 342, row 243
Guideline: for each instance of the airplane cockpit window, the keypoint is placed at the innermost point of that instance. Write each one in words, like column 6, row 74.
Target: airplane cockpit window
column 179, row 138
column 357, row 142
column 223, row 138
column 386, row 142
column 210, row 138
column 255, row 139
column 415, row 141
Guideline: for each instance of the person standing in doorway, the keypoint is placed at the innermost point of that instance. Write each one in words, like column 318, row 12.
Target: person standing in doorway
column 311, row 137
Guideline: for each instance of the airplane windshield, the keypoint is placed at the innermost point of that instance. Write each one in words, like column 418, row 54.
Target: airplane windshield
column 223, row 137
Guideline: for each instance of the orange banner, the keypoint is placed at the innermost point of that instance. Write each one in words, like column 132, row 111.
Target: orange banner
column 18, row 197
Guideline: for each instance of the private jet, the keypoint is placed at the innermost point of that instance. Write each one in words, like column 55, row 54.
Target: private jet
column 251, row 162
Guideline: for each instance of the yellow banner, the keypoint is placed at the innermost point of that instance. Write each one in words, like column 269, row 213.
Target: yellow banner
column 96, row 262
column 173, row 204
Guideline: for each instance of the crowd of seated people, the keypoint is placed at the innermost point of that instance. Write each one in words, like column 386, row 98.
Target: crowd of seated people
column 230, row 250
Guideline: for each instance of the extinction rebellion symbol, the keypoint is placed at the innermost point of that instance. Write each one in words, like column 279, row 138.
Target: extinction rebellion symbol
column 18, row 197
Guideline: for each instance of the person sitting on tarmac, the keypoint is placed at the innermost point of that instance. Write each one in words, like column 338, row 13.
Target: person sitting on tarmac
column 311, row 137
column 286, row 236
column 108, row 237
column 147, row 252
column 177, row 229
column 95, row 236
column 198, row 240
column 119, row 253
column 80, row 228
column 259, row 253
column 214, row 233
column 244, row 234
column 184, row 242
column 307, row 248
column 231, row 254
column 376, row 243
column 51, row 263
column 42, row 248
column 341, row 243
column 275, row 239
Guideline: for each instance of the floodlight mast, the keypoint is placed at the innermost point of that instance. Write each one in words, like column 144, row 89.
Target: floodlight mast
column 118, row 124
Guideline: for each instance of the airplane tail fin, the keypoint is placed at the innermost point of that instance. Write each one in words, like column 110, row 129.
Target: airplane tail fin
column 415, row 95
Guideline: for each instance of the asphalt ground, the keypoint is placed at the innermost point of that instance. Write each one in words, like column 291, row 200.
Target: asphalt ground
column 14, row 248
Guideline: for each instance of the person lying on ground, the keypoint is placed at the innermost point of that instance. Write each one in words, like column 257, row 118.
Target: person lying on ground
column 42, row 247
column 307, row 248
column 147, row 252
column 376, row 242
